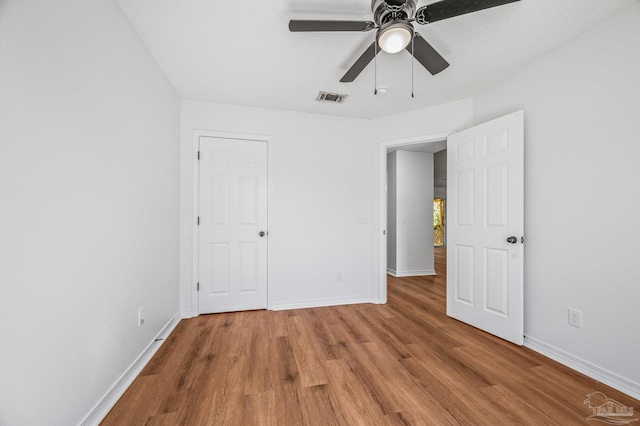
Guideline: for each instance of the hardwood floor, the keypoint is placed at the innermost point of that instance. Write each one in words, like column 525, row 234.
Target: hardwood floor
column 403, row 363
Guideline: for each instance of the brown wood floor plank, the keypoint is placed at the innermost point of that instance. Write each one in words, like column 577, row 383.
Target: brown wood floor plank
column 167, row 419
column 137, row 405
column 260, row 409
column 321, row 405
column 326, row 342
column 356, row 403
column 514, row 404
column 309, row 365
column 404, row 363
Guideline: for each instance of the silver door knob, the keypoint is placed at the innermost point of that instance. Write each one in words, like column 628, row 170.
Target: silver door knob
column 512, row 240
column 262, row 233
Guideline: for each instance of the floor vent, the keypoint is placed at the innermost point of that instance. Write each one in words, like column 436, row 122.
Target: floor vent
column 330, row 97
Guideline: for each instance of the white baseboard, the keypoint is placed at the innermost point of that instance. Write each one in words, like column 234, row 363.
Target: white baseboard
column 416, row 273
column 585, row 367
column 186, row 314
column 106, row 403
column 320, row 303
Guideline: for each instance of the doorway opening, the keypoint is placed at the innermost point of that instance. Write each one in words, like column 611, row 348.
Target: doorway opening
column 427, row 144
column 438, row 222
column 486, row 213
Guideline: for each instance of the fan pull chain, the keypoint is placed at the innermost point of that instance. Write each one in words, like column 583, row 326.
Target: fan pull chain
column 412, row 61
column 375, row 67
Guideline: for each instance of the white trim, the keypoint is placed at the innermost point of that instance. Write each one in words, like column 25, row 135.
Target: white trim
column 106, row 403
column 418, row 273
column 186, row 314
column 302, row 304
column 197, row 133
column 382, row 235
column 585, row 367
column 195, row 247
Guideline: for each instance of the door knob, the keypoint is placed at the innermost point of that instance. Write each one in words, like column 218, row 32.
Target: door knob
column 262, row 234
column 512, row 240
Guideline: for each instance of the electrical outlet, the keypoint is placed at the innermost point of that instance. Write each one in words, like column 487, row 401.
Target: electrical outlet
column 140, row 316
column 575, row 317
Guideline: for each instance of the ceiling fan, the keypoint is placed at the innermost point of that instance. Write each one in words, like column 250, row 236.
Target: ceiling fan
column 392, row 20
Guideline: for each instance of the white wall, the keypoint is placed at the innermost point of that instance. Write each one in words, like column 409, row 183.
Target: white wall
column 392, row 201
column 414, row 125
column 582, row 109
column 89, row 193
column 407, row 128
column 88, row 205
column 321, row 189
column 326, row 176
column 411, row 209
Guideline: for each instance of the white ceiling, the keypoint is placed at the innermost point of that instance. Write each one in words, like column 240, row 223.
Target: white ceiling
column 243, row 53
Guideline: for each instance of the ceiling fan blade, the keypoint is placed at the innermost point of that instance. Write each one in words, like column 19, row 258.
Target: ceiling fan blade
column 449, row 8
column 360, row 64
column 427, row 55
column 310, row 25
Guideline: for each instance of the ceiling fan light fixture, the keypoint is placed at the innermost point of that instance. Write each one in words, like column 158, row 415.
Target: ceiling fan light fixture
column 394, row 36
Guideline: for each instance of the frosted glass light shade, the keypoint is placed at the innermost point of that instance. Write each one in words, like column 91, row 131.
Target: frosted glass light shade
column 394, row 37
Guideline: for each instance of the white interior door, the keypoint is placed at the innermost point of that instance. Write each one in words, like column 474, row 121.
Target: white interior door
column 485, row 185
column 232, row 267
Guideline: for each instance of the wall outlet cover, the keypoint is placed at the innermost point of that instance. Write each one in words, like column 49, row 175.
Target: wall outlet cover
column 575, row 317
column 140, row 316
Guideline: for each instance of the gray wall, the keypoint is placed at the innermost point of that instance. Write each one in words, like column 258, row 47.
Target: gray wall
column 440, row 174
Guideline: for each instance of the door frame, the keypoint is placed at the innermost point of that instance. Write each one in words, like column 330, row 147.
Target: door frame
column 382, row 248
column 195, row 253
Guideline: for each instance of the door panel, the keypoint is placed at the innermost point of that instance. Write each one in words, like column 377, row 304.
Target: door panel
column 249, row 267
column 464, row 206
column 464, row 274
column 218, row 259
column 486, row 205
column 496, row 179
column 232, row 267
column 496, row 281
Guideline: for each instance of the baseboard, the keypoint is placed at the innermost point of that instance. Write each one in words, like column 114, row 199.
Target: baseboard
column 585, row 367
column 106, row 403
column 416, row 273
column 186, row 314
column 320, row 303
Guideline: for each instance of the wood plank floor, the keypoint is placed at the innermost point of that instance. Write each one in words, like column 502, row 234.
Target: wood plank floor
column 403, row 363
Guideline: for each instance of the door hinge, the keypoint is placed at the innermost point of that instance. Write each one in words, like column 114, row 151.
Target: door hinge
column 198, row 220
column 198, row 287
column 198, row 155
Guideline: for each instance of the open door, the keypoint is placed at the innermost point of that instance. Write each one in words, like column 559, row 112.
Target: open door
column 485, row 265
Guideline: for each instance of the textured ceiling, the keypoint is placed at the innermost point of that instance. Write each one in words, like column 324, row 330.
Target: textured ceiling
column 243, row 53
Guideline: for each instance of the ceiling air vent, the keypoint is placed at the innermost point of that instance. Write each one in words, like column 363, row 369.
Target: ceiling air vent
column 330, row 97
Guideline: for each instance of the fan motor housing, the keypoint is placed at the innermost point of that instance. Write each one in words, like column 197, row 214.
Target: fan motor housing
column 392, row 10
